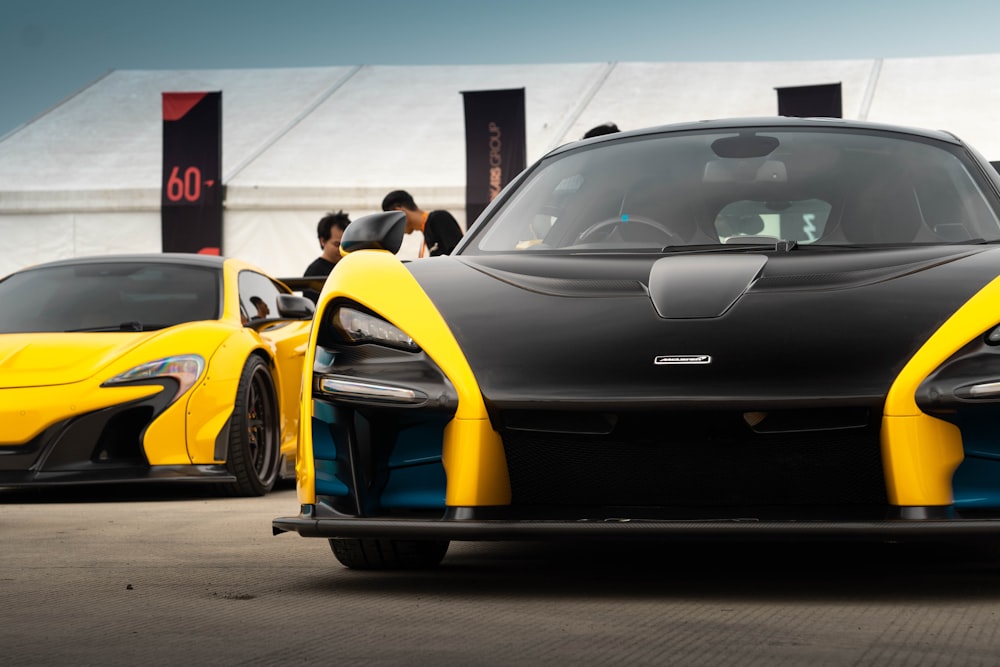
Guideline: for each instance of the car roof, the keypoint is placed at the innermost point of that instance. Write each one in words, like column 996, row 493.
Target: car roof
column 784, row 122
column 184, row 259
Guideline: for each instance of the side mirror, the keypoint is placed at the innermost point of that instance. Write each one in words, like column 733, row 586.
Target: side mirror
column 309, row 286
column 379, row 231
column 295, row 307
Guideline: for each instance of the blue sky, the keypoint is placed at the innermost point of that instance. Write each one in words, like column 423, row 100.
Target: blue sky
column 50, row 49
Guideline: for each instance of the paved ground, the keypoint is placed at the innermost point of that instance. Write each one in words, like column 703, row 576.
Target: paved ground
column 141, row 577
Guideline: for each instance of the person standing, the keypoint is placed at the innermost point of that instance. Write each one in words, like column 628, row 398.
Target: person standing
column 440, row 229
column 329, row 230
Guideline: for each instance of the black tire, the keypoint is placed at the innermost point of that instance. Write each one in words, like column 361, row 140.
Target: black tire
column 382, row 554
column 254, row 435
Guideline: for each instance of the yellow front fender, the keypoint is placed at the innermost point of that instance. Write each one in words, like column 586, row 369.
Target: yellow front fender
column 473, row 454
column 920, row 453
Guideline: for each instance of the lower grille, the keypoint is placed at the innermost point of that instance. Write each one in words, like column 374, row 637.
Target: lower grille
column 696, row 460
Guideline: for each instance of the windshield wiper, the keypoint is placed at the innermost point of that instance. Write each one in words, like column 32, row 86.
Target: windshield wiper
column 123, row 326
column 733, row 246
column 894, row 245
column 973, row 242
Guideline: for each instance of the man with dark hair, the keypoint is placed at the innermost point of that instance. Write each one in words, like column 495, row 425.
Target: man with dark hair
column 330, row 230
column 440, row 229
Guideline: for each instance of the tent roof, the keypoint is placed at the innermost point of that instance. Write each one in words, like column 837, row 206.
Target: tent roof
column 303, row 137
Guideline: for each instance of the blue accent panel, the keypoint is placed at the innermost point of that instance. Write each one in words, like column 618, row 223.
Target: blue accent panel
column 324, row 411
column 327, row 483
column 323, row 445
column 420, row 443
column 415, row 487
column 979, row 434
column 416, row 476
column 325, row 452
column 977, row 483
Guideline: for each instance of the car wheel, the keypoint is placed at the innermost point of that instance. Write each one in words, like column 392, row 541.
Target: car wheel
column 253, row 455
column 382, row 554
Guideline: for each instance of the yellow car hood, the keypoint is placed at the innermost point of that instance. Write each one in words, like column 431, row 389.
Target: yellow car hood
column 42, row 359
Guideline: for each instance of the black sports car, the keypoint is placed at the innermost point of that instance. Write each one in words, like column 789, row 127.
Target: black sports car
column 765, row 328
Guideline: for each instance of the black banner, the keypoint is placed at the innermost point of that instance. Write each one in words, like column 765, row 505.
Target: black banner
column 495, row 145
column 191, row 199
column 823, row 101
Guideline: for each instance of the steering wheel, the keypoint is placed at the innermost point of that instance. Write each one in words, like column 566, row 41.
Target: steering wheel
column 611, row 225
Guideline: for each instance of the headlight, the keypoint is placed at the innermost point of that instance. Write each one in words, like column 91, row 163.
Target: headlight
column 359, row 327
column 366, row 390
column 186, row 369
column 993, row 337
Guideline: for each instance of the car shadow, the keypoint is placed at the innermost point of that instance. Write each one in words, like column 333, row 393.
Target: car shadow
column 115, row 493
column 772, row 571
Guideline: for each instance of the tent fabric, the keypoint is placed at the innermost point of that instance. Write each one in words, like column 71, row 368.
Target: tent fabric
column 84, row 177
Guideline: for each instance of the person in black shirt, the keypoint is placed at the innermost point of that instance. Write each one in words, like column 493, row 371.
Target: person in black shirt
column 330, row 230
column 440, row 229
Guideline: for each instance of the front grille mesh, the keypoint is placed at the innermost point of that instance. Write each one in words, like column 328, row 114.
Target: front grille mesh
column 710, row 460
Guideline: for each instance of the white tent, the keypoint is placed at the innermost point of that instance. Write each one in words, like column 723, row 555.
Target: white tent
column 84, row 178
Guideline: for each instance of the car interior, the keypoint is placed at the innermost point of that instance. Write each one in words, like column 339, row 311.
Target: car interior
column 809, row 189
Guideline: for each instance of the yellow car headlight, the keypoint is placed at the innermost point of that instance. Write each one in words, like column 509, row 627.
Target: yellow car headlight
column 185, row 369
column 359, row 327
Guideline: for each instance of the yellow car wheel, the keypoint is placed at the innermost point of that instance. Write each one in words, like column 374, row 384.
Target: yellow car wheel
column 383, row 554
column 254, row 455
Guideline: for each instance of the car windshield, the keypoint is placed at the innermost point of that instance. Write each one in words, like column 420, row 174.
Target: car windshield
column 113, row 296
column 681, row 190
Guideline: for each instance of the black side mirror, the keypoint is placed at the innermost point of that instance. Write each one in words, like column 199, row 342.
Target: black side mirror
column 379, row 231
column 295, row 307
column 310, row 286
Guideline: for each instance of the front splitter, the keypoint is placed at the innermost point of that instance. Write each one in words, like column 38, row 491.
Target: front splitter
column 626, row 529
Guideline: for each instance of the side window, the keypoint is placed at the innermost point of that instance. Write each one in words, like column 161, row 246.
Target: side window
column 951, row 205
column 258, row 296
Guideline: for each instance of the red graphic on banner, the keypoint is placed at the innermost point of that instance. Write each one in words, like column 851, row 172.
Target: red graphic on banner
column 176, row 105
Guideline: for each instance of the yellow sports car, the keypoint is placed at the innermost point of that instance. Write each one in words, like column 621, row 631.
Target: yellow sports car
column 166, row 367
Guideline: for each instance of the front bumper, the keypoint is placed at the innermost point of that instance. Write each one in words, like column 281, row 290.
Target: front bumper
column 104, row 445
column 98, row 474
column 308, row 524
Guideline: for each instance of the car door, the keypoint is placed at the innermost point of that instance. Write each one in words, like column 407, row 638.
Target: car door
column 286, row 341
